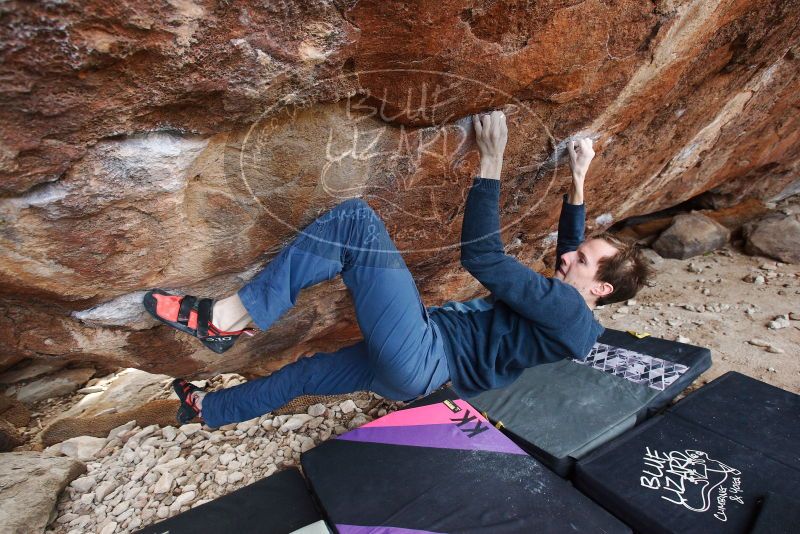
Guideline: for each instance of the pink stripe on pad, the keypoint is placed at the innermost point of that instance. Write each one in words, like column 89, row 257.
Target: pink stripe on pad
column 432, row 414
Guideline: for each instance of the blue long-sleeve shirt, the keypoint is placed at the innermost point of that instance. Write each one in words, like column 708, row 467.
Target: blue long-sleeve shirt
column 533, row 319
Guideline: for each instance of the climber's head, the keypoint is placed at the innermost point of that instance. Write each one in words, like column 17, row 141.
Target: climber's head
column 604, row 269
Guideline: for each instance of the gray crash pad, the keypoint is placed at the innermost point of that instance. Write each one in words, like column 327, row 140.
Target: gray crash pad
column 560, row 412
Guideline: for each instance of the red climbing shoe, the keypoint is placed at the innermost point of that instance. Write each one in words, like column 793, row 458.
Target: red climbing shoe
column 188, row 409
column 191, row 315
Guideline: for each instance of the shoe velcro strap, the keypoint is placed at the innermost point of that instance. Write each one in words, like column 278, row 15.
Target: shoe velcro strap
column 204, row 308
column 187, row 304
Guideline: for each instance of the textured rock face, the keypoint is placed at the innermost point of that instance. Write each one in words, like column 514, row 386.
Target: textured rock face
column 180, row 144
column 32, row 482
column 55, row 385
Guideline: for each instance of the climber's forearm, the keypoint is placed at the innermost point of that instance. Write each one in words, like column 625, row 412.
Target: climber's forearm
column 575, row 195
column 491, row 167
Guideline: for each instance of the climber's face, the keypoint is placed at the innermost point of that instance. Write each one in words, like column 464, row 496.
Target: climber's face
column 579, row 268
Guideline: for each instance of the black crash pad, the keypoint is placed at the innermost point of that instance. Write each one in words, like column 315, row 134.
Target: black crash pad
column 439, row 466
column 279, row 504
column 750, row 412
column 705, row 465
column 560, row 412
column 778, row 514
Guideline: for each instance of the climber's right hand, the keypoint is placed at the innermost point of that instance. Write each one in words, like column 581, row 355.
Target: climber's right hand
column 491, row 134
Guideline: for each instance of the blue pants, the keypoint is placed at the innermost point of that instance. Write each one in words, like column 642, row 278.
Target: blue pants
column 401, row 355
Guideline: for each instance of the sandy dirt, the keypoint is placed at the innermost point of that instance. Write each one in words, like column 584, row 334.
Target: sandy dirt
column 724, row 300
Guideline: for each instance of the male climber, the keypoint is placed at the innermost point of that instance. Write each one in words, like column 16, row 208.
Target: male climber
column 408, row 350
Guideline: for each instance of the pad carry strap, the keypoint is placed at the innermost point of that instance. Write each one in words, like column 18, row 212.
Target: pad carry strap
column 204, row 309
column 187, row 303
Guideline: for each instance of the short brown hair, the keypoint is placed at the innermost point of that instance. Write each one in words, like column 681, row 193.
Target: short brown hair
column 627, row 270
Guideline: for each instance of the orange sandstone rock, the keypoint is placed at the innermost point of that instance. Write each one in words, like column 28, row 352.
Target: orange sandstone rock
column 180, row 145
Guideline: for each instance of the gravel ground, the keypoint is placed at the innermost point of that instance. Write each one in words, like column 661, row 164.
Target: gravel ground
column 144, row 475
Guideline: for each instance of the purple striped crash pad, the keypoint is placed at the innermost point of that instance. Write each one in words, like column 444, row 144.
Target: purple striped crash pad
column 439, row 466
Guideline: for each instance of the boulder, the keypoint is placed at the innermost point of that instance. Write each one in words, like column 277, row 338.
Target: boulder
column 31, row 484
column 123, row 391
column 55, row 385
column 691, row 234
column 777, row 236
column 647, row 228
column 83, row 448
